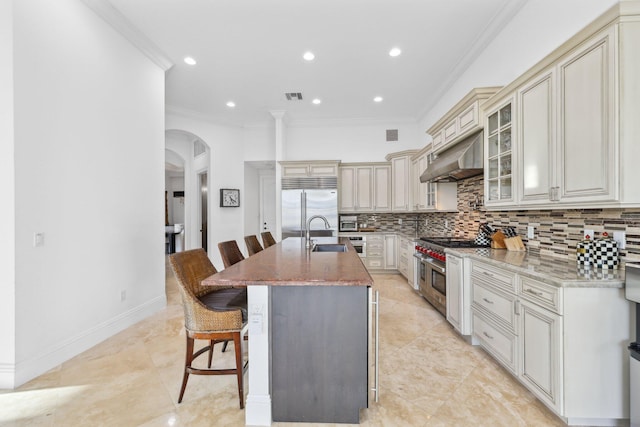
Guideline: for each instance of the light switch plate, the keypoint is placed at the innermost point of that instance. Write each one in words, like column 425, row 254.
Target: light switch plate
column 621, row 238
column 530, row 232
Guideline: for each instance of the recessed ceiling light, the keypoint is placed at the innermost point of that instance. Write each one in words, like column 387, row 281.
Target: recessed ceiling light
column 308, row 56
column 377, row 99
column 395, row 52
column 231, row 104
column 317, row 101
column 189, row 60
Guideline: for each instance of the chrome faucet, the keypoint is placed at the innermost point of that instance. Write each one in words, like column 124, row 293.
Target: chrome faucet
column 326, row 225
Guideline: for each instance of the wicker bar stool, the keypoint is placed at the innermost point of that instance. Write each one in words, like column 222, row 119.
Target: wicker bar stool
column 253, row 245
column 230, row 253
column 214, row 314
column 267, row 239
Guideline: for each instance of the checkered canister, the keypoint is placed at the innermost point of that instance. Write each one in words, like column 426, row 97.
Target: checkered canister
column 605, row 252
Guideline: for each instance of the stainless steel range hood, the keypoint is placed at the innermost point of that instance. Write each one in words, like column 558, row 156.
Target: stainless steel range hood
column 461, row 161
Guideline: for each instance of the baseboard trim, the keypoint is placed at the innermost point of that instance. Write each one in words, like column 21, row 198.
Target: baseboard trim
column 53, row 356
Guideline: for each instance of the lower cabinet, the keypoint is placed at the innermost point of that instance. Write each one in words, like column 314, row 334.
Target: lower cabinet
column 381, row 252
column 566, row 344
column 541, row 352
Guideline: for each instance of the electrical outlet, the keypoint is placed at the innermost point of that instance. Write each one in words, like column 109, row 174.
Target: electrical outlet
column 123, row 295
column 446, row 223
column 587, row 233
column 399, row 221
column 426, row 222
column 530, row 232
column 621, row 238
column 38, row 239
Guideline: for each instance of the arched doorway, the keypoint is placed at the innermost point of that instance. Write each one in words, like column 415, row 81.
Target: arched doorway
column 196, row 155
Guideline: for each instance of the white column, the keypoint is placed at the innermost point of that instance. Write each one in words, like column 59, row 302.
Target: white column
column 258, row 405
column 278, row 115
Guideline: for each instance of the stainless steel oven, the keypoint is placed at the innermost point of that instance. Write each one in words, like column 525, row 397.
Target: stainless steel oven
column 432, row 273
column 433, row 283
column 359, row 244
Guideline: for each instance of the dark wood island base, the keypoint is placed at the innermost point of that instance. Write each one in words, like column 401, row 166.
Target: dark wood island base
column 310, row 332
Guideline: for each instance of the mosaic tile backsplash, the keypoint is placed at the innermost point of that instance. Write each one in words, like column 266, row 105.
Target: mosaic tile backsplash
column 556, row 231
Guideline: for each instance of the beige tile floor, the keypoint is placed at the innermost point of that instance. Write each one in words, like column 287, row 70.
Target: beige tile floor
column 429, row 377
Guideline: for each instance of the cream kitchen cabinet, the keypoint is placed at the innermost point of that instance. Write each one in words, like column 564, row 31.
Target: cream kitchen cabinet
column 498, row 148
column 390, row 252
column 567, row 142
column 550, row 336
column 541, row 353
column 461, row 120
column 401, row 190
column 406, row 248
column 309, row 168
column 459, row 293
column 382, row 187
column 575, row 122
column 364, row 187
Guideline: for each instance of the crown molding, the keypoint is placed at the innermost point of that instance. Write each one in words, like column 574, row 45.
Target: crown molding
column 490, row 32
column 354, row 121
column 113, row 17
column 191, row 114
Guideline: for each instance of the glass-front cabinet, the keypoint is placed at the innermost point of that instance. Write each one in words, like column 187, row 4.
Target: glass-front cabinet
column 499, row 157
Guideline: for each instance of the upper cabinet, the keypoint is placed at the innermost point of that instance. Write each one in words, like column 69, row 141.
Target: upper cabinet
column 462, row 120
column 499, row 154
column 310, row 168
column 574, row 125
column 401, row 187
column 365, row 187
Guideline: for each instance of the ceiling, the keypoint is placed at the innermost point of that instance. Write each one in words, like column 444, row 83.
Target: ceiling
column 250, row 52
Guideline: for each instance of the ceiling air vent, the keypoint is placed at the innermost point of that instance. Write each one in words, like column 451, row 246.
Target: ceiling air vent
column 293, row 96
column 392, row 135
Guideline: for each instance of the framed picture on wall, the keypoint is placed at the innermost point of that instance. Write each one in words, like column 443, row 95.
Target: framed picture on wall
column 229, row 198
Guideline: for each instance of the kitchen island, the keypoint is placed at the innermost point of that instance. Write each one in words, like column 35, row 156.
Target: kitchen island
column 309, row 332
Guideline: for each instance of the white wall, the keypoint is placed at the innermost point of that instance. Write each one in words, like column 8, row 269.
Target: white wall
column 226, row 158
column 7, row 206
column 540, row 27
column 350, row 142
column 89, row 162
column 259, row 143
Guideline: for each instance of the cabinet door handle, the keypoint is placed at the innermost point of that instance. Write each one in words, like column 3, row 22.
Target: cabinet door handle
column 487, row 335
column 488, row 301
column 516, row 307
column 536, row 293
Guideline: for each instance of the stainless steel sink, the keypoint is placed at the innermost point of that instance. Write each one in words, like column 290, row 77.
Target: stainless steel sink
column 329, row 247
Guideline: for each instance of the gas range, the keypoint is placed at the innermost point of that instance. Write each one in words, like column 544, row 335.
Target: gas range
column 434, row 247
column 431, row 267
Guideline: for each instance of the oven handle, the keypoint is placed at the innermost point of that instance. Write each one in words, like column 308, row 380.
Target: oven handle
column 433, row 265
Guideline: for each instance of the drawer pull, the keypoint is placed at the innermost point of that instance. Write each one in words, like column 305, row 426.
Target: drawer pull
column 536, row 293
column 487, row 335
column 487, row 274
column 488, row 301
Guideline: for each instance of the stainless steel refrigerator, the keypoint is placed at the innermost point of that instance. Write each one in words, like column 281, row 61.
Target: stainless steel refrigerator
column 304, row 197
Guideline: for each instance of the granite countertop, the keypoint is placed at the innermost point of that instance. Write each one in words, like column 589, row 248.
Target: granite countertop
column 554, row 271
column 289, row 263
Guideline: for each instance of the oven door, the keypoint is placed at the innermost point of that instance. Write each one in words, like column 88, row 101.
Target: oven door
column 436, row 276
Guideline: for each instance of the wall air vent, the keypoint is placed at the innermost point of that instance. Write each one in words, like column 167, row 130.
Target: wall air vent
column 392, row 135
column 293, row 96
